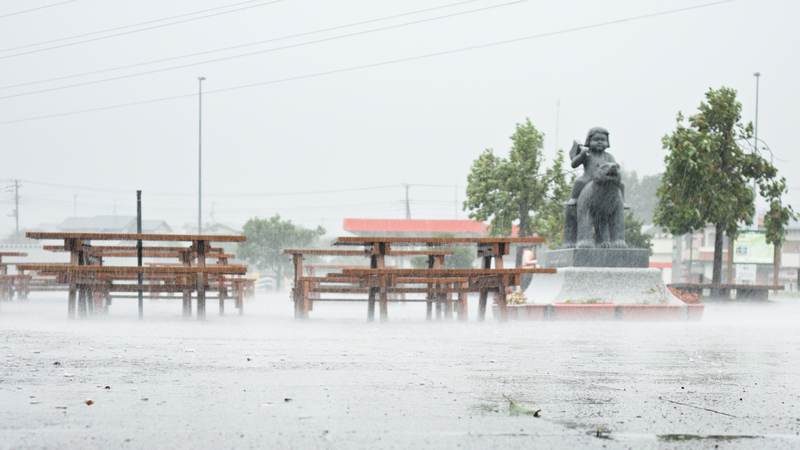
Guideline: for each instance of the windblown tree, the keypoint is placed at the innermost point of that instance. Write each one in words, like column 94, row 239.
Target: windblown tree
column 519, row 188
column 266, row 239
column 708, row 175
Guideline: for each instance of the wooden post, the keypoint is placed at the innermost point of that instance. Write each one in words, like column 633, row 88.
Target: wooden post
column 484, row 293
column 186, row 259
column 240, row 297
column 140, row 275
column 298, row 294
column 501, row 298
column 373, row 264
column 430, row 294
column 463, row 312
column 74, row 258
column 383, row 248
column 200, row 247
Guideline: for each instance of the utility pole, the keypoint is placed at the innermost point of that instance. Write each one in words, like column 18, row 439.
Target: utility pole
column 408, row 202
column 200, row 154
column 755, row 150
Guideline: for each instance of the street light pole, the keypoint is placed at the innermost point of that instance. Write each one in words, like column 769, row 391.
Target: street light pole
column 755, row 150
column 200, row 154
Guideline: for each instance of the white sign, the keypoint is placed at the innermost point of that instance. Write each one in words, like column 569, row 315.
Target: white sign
column 746, row 273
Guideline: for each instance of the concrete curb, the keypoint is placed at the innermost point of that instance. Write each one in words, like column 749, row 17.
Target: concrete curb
column 604, row 311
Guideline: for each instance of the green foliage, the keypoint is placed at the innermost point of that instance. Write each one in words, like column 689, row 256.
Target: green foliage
column 266, row 239
column 634, row 236
column 640, row 194
column 462, row 258
column 708, row 175
column 518, row 188
column 549, row 221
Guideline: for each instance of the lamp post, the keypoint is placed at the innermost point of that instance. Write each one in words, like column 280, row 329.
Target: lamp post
column 200, row 154
column 755, row 150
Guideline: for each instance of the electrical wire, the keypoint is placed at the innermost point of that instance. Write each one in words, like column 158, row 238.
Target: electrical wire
column 243, row 45
column 24, row 11
column 376, row 64
column 259, row 52
column 123, row 33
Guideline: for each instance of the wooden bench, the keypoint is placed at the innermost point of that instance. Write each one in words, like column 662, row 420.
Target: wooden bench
column 307, row 289
column 88, row 278
column 742, row 292
column 490, row 250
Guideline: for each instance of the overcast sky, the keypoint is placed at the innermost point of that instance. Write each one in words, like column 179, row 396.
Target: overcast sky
column 367, row 131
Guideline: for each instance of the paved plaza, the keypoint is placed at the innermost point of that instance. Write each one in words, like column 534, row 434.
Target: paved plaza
column 265, row 380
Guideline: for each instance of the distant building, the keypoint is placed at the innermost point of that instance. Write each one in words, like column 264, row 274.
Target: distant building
column 415, row 227
column 693, row 257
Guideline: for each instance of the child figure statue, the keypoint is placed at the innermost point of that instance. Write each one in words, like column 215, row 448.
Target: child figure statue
column 591, row 156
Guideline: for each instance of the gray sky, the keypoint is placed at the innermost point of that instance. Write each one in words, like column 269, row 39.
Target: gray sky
column 419, row 122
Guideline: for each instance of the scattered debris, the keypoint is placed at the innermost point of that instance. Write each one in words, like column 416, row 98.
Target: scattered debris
column 107, row 387
column 145, row 399
column 57, row 363
column 697, row 407
column 516, row 409
column 287, row 400
column 89, row 402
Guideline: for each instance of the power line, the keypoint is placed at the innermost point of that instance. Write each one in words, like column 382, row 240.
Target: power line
column 139, row 30
column 24, row 11
column 259, row 52
column 377, row 64
column 247, row 44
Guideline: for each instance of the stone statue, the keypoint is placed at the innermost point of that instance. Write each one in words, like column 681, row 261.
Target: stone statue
column 594, row 214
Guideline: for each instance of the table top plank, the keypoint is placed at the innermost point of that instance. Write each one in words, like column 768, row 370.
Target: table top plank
column 74, row 268
column 432, row 240
column 90, row 236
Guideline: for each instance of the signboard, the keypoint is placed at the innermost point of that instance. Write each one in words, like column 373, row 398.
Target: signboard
column 752, row 248
column 746, row 273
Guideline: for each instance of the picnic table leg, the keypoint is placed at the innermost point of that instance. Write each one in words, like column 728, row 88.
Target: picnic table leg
column 201, row 280
column 484, row 293
column 221, row 295
column 71, row 302
column 81, row 302
column 463, row 311
column 448, row 305
column 384, row 303
column 306, row 299
column 500, row 299
column 240, row 299
column 428, row 310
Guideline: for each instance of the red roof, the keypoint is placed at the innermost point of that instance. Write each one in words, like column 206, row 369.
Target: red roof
column 660, row 265
column 414, row 226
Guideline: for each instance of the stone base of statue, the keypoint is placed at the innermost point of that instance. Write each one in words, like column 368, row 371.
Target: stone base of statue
column 601, row 284
column 597, row 257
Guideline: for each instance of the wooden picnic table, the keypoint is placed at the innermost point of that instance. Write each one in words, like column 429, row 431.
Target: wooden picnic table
column 8, row 282
column 489, row 249
column 305, row 290
column 86, row 258
column 723, row 290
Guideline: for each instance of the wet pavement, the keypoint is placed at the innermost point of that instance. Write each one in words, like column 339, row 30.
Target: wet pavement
column 266, row 381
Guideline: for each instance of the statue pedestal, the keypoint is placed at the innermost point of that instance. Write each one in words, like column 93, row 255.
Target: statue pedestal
column 601, row 284
column 597, row 257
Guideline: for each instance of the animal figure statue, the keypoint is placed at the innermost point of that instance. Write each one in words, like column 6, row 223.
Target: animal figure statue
column 601, row 211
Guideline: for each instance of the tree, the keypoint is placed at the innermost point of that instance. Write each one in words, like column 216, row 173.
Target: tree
column 507, row 190
column 634, row 236
column 708, row 175
column 519, row 188
column 640, row 194
column 775, row 221
column 266, row 239
column 549, row 222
